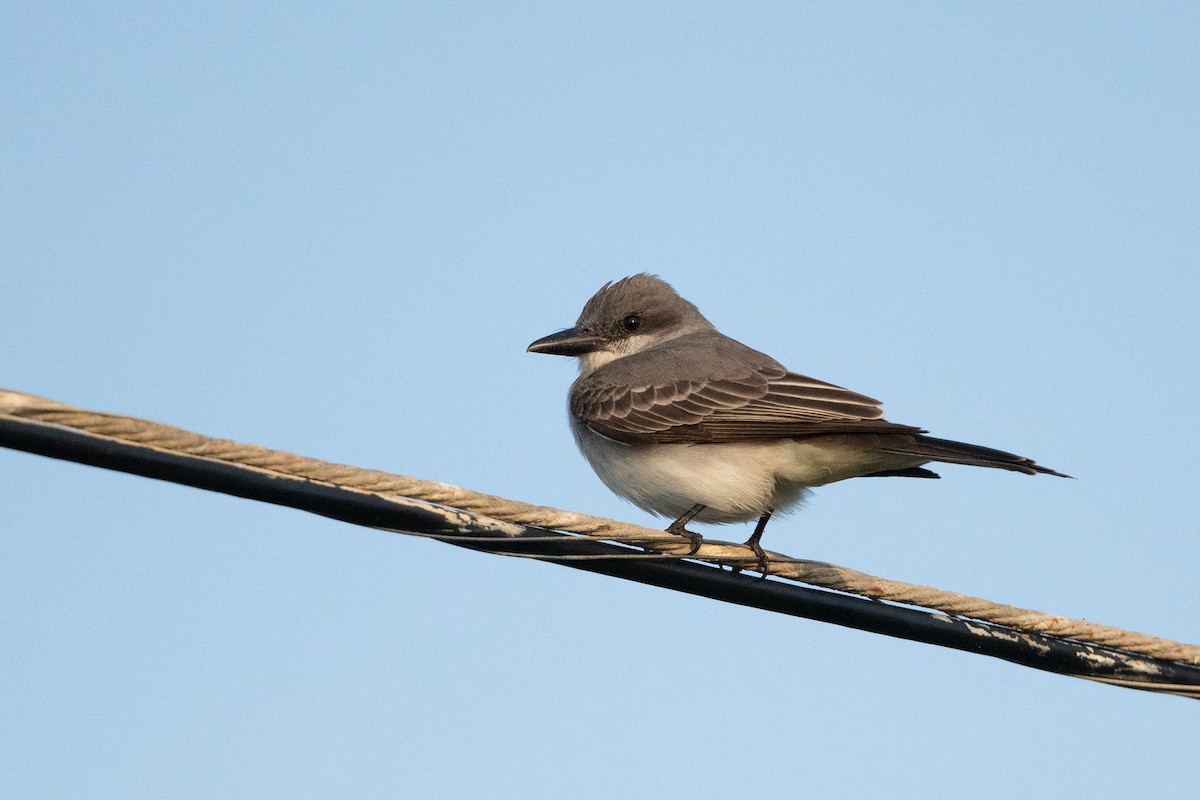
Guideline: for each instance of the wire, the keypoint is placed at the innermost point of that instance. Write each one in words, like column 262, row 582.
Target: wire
column 371, row 498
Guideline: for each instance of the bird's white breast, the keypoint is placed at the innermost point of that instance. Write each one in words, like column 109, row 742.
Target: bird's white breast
column 737, row 482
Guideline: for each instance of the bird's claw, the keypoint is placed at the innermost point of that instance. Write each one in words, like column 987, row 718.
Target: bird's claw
column 693, row 537
column 763, row 565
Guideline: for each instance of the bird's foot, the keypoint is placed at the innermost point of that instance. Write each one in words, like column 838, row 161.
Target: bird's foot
column 678, row 527
column 763, row 564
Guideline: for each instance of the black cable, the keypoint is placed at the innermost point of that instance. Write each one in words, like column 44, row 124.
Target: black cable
column 1053, row 654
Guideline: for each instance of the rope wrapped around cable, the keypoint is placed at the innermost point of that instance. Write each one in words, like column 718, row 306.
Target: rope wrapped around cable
column 17, row 409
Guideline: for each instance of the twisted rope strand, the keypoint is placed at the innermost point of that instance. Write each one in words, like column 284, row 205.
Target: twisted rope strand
column 176, row 440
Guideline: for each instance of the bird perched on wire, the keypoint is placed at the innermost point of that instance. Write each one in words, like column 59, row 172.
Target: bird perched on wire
column 689, row 424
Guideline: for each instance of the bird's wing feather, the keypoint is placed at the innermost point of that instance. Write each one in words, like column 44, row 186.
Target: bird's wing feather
column 750, row 396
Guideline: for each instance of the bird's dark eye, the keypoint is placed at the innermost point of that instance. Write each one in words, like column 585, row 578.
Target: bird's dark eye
column 631, row 323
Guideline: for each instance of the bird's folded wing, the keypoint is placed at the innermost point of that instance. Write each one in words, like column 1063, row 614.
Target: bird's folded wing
column 764, row 401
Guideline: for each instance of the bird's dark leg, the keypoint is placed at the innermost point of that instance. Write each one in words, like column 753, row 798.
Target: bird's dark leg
column 679, row 527
column 753, row 544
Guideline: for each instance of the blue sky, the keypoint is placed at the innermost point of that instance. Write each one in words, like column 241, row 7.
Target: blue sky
column 333, row 230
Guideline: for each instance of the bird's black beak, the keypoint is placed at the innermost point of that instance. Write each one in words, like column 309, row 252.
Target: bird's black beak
column 571, row 342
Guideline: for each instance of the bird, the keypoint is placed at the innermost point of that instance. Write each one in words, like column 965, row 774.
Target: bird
column 689, row 424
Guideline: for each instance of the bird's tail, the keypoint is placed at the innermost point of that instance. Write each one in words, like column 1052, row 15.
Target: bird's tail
column 949, row 452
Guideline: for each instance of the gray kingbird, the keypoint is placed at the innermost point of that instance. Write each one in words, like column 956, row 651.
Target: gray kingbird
column 689, row 424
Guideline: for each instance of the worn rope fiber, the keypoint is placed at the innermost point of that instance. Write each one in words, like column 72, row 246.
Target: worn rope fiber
column 161, row 437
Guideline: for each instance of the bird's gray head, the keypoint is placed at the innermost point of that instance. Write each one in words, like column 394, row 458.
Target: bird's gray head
column 624, row 318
